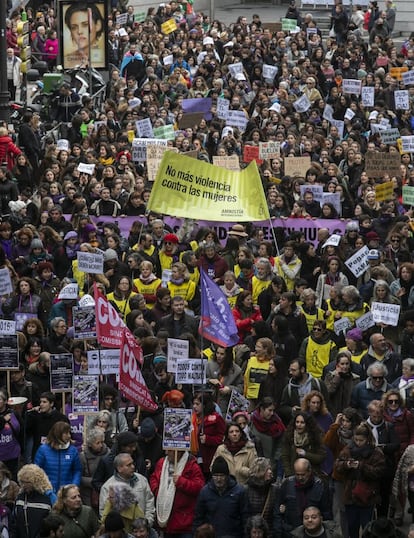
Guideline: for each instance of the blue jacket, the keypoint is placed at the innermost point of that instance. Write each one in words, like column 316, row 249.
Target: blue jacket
column 363, row 394
column 227, row 512
column 61, row 466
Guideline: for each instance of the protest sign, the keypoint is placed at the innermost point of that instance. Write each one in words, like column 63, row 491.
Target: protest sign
column 237, row 403
column 272, row 26
column 327, row 112
column 402, row 100
column 191, row 119
column 230, row 162
column 84, row 323
column 237, row 118
column 88, row 169
column 341, row 325
column 222, row 108
column 7, row 326
column 251, row 153
column 109, row 361
column 90, row 262
column 384, row 191
column 397, row 72
column 140, row 16
column 297, row 166
column 408, row 195
column 368, row 96
column 165, row 132
column 350, row 86
column 196, row 189
column 333, row 241
column 191, row 371
column 358, row 262
column 139, row 147
column 289, row 25
column 269, row 72
column 9, row 352
column 316, row 190
column 122, row 19
column 340, row 125
column 94, row 365
column 169, row 26
column 407, row 144
column 176, row 350
column 109, row 325
column 377, row 164
column 177, row 429
column 131, row 381
column 390, row 136
column 365, row 322
column 302, row 104
column 154, row 158
column 269, row 150
column 61, row 372
column 235, row 69
column 349, row 114
column 70, row 292
column 197, row 104
column 62, row 145
column 85, row 394
column 333, row 198
column 6, row 285
column 386, row 313
column 144, row 128
column 408, row 77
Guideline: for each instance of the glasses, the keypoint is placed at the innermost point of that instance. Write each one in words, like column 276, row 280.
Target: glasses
column 318, row 329
column 377, row 377
column 395, row 240
column 392, row 402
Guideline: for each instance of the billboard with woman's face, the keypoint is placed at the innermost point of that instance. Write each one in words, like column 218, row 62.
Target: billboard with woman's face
column 83, row 31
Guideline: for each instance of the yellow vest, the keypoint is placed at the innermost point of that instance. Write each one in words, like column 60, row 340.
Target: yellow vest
column 353, row 316
column 311, row 318
column 257, row 287
column 355, row 358
column 147, row 289
column 317, row 356
column 122, row 304
column 255, row 374
column 330, row 320
column 186, row 290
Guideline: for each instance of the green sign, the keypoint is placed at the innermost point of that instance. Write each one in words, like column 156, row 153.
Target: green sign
column 140, row 17
column 408, row 195
column 166, row 132
column 289, row 25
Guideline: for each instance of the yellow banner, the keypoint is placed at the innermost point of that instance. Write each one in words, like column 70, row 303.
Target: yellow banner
column 168, row 26
column 186, row 187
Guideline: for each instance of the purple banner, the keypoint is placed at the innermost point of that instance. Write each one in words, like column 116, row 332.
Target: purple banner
column 217, row 323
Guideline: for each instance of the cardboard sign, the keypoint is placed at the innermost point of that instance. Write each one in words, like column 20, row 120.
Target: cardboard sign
column 177, row 429
column 154, row 158
column 230, row 162
column 191, row 371
column 377, row 164
column 408, row 195
column 386, row 313
column 269, row 71
column 302, row 104
column 328, row 113
column 85, row 394
column 340, row 125
column 62, row 144
column 61, row 372
column 190, row 119
column 316, row 190
column 88, row 169
column 390, row 136
column 333, row 241
column 384, row 191
column 407, row 77
column 165, row 132
column 358, row 262
column 70, row 292
column 222, row 108
column 289, row 25
column 176, row 350
column 94, row 364
column 341, row 325
column 7, row 326
column 365, row 322
column 251, row 153
column 109, row 361
column 237, row 118
column 237, row 403
column 351, row 86
column 407, row 144
column 269, row 150
column 297, row 166
column 139, row 148
column 90, row 262
column 272, row 26
column 235, row 69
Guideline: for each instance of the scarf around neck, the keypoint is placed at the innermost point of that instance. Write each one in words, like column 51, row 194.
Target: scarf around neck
column 166, row 491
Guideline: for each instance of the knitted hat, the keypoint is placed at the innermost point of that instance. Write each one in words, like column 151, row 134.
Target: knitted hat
column 36, row 243
column 355, row 334
column 174, row 398
column 220, row 466
column 171, row 238
column 110, row 254
column 126, row 438
column 70, row 235
column 148, row 428
column 114, row 522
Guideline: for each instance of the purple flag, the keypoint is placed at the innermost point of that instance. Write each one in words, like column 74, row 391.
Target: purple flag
column 217, row 323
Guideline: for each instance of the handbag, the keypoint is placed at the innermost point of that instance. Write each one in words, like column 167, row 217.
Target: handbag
column 363, row 493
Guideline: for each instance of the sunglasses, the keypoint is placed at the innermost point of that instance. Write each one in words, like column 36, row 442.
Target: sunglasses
column 393, row 402
column 377, row 377
column 318, row 329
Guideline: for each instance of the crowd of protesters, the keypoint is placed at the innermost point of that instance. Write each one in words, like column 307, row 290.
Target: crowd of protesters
column 324, row 442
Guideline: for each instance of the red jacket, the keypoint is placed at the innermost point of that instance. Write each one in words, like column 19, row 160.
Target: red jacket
column 244, row 325
column 8, row 151
column 188, row 487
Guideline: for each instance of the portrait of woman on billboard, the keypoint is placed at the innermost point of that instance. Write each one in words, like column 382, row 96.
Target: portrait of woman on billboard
column 83, row 35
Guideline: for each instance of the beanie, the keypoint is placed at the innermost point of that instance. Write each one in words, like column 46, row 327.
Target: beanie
column 114, row 522
column 148, row 428
column 126, row 438
column 220, row 466
column 36, row 243
column 171, row 238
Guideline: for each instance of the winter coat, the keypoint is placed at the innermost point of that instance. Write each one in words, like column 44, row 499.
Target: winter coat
column 38, row 424
column 227, row 512
column 74, row 526
column 213, row 428
column 62, row 466
column 339, row 389
column 105, row 466
column 89, row 461
column 214, row 268
column 188, row 487
column 239, row 463
column 391, row 360
column 244, row 322
column 363, row 394
column 295, row 499
column 261, row 497
column 404, row 428
column 330, row 527
column 315, row 454
column 30, row 510
column 291, row 399
column 8, row 151
column 233, row 380
column 371, row 469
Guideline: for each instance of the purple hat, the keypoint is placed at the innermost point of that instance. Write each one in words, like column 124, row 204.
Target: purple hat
column 355, row 334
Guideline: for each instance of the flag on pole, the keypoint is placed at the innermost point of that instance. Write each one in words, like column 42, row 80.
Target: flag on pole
column 217, row 323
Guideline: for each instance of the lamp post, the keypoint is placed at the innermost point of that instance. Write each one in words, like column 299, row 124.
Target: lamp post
column 4, row 91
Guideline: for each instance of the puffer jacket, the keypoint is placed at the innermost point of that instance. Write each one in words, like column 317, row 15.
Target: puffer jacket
column 61, row 466
column 239, row 463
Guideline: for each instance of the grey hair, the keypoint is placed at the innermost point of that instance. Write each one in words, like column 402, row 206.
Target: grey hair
column 119, row 459
column 352, row 291
column 377, row 366
column 55, row 321
column 124, row 496
column 95, row 434
column 259, row 467
column 408, row 362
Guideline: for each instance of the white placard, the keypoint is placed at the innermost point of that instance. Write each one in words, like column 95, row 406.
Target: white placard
column 88, row 169
column 302, row 104
column 109, row 361
column 269, row 71
column 341, row 325
column 349, row 114
column 90, row 262
column 385, row 122
column 333, row 198
column 168, row 60
column 386, row 313
column 340, row 125
column 176, row 350
column 191, row 371
column 368, row 96
column 402, row 100
column 139, row 147
column 62, row 144
column 333, row 241
column 7, row 326
column 6, row 285
column 350, row 85
column 86, row 300
column 237, row 118
column 390, row 136
column 408, row 77
column 94, row 365
column 222, row 108
column 328, row 113
column 358, row 262
column 365, row 322
column 135, row 101
column 407, row 144
column 122, row 19
column 144, row 128
column 70, row 291
column 269, row 150
column 235, row 69
column 316, row 190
